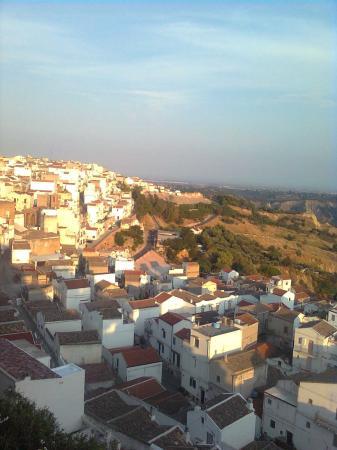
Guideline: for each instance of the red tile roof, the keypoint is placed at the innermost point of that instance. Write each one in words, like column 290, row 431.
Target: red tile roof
column 279, row 292
column 142, row 304
column 137, row 356
column 184, row 334
column 244, row 303
column 162, row 297
column 247, row 318
column 19, row 365
column 134, row 272
column 171, row 318
column 76, row 283
column 301, row 296
column 142, row 388
column 98, row 372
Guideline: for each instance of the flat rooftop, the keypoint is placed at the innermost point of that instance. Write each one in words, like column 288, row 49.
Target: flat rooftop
column 211, row 331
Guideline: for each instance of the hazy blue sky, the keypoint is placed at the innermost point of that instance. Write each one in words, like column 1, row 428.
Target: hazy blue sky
column 211, row 91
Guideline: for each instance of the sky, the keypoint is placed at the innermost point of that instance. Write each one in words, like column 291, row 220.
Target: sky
column 231, row 92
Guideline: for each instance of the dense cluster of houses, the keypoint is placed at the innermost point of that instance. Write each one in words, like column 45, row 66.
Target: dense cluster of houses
column 154, row 356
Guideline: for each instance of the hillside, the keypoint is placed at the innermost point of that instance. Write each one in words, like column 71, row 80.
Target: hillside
column 293, row 244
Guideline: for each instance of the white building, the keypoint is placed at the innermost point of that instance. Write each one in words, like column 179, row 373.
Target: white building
column 206, row 342
column 51, row 321
column 122, row 264
column 106, row 317
column 303, row 411
column 20, row 252
column 162, row 335
column 332, row 316
column 281, row 296
column 135, row 362
column 315, row 346
column 61, row 390
column 227, row 422
column 73, row 293
column 79, row 347
column 139, row 311
column 228, row 275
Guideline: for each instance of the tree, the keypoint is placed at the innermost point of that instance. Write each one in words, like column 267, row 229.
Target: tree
column 119, row 239
column 82, row 266
column 23, row 426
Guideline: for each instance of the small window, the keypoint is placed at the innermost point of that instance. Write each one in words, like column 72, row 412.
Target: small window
column 300, row 340
column 174, row 341
column 202, row 420
column 209, row 438
column 196, row 342
column 279, row 363
column 307, row 425
column 163, row 332
column 310, row 401
column 285, row 330
column 272, row 424
column 193, row 382
column 269, row 401
column 218, row 378
column 333, row 317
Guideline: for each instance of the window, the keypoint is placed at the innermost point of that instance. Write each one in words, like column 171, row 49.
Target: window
column 196, row 342
column 218, row 378
column 272, row 424
column 202, row 420
column 163, row 332
column 279, row 363
column 285, row 329
column 310, row 401
column 209, row 438
column 269, row 401
column 333, row 317
column 300, row 340
column 174, row 341
column 193, row 383
column 307, row 425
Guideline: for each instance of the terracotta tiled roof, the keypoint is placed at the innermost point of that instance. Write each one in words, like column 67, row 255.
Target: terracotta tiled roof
column 171, row 318
column 21, row 245
column 162, row 297
column 279, row 292
column 77, row 283
column 78, row 337
column 300, row 296
column 107, row 406
column 99, row 372
column 137, row 356
column 185, row 295
column 136, row 273
column 246, row 318
column 19, row 365
column 286, row 314
column 184, row 334
column 139, row 425
column 142, row 388
column 51, row 315
column 229, row 411
column 324, row 328
column 142, row 304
